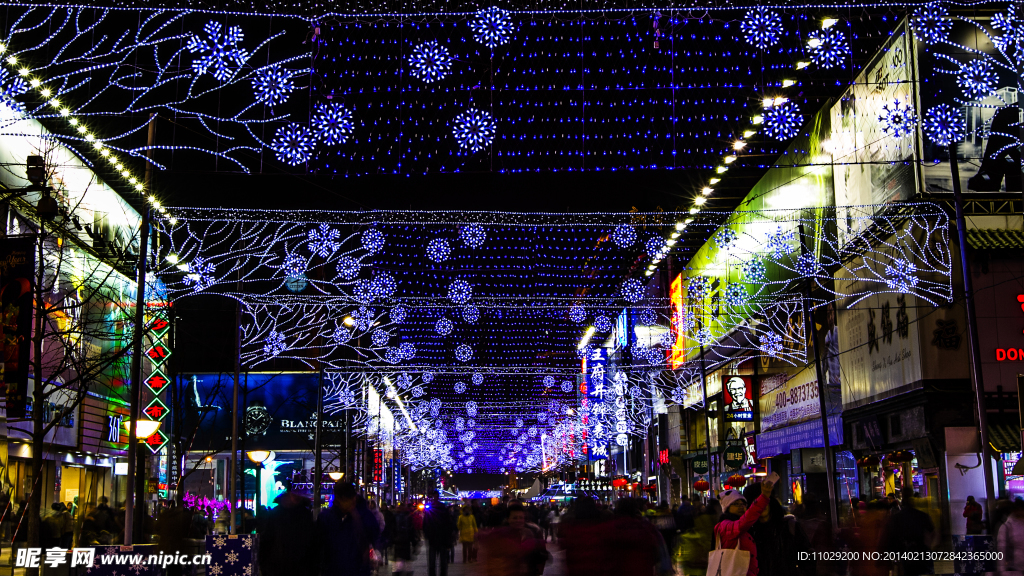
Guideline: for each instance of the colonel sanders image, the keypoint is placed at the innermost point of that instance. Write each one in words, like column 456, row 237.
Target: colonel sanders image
column 738, row 390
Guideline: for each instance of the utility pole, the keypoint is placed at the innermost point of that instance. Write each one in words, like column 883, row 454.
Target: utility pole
column 234, row 419
column 135, row 498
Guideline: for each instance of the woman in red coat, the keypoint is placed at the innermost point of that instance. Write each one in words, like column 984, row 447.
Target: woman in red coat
column 737, row 520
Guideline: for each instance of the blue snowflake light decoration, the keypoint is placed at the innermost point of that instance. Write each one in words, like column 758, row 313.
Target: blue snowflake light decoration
column 577, row 313
column 725, row 238
column 471, row 409
column 323, row 241
column 654, row 244
column 567, row 386
column 372, row 240
column 492, row 27
column 293, row 265
column 10, row 87
column 363, row 292
column 460, row 387
column 698, row 287
column 274, row 344
column 931, row 24
column 460, row 292
column 332, row 123
column 807, row 266
column 1011, row 24
column 380, row 338
column 463, row 353
column 348, row 267
column 417, row 391
column 771, row 344
column 398, row 314
column 444, row 327
column 633, row 290
column 430, row 62
column 548, row 381
column 761, row 27
column 735, row 294
column 473, row 235
column 977, row 79
column 898, row 119
column 438, row 250
column 435, row 407
column 272, row 85
column 471, row 314
column 478, row 378
column 603, row 324
column 200, row 273
column 383, row 286
column 624, row 236
column 393, row 355
column 219, row 50
column 780, row 243
column 428, row 377
column 340, row 335
column 648, row 317
column 474, row 129
column 754, row 271
column 783, row 121
column 293, row 144
column 407, row 350
column 944, row 125
column 828, row 47
column 901, row 276
column 703, row 336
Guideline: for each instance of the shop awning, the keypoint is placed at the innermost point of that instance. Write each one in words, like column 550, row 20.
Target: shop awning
column 994, row 238
column 1004, row 437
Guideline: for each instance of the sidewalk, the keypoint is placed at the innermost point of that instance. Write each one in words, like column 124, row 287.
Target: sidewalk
column 419, row 566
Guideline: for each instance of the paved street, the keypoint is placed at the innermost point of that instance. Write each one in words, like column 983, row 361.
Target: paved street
column 419, row 566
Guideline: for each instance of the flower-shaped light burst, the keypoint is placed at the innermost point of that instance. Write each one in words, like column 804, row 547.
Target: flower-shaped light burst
column 471, row 314
column 348, row 267
column 473, row 235
column 474, row 129
column 430, row 61
column 323, row 241
column 1011, row 24
column 901, row 276
column 460, row 387
column 383, row 286
column 435, row 407
column 828, row 47
column 781, row 242
column 492, row 27
column 698, row 287
column 428, row 377
column 771, row 344
column 761, row 27
column 340, row 335
column 438, row 250
column 548, row 381
column 363, row 292
column 293, row 144
column 633, row 290
column 624, row 236
column 407, row 350
column 648, row 317
column 460, row 292
column 373, row 240
column 735, row 294
column 444, row 327
column 754, row 271
column 577, row 313
column 808, row 266
column 293, row 265
column 783, row 121
column 931, row 24
column 463, row 353
column 272, row 85
column 417, row 391
column 471, row 409
column 567, row 386
column 703, row 335
column 603, row 324
column 725, row 238
column 274, row 344
column 332, row 123
column 478, row 378
column 944, row 125
column 898, row 119
column 380, row 338
column 398, row 314
column 653, row 245
column 219, row 50
column 977, row 79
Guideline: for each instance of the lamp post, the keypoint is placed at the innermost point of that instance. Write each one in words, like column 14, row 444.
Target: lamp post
column 142, row 430
column 258, row 457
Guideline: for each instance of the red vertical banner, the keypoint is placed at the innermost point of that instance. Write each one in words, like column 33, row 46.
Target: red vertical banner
column 17, row 267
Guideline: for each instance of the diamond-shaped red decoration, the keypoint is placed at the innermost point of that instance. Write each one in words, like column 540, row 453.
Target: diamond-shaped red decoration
column 158, row 353
column 157, row 381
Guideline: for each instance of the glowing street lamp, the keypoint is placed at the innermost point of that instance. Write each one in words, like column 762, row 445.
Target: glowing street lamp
column 143, row 429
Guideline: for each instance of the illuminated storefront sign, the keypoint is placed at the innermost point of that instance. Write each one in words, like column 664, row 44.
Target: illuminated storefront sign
column 677, row 357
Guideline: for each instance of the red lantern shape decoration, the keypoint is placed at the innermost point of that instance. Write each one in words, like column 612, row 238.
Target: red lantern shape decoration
column 736, row 481
column 868, row 461
column 702, row 485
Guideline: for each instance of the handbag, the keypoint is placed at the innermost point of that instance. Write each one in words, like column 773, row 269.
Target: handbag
column 728, row 561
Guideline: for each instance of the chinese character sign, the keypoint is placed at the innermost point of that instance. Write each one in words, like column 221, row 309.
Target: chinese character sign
column 597, row 391
column 739, row 404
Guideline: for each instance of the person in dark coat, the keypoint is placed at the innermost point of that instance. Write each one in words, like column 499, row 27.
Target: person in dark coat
column 777, row 536
column 439, row 532
column 172, row 527
column 345, row 534
column 405, row 540
column 910, row 530
column 288, row 539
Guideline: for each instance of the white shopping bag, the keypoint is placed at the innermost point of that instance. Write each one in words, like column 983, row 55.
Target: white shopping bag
column 728, row 561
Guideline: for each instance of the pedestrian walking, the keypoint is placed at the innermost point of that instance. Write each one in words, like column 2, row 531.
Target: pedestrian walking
column 467, row 533
column 1010, row 542
column 287, row 543
column 973, row 512
column 910, row 534
column 438, row 531
column 346, row 533
column 777, row 536
column 737, row 520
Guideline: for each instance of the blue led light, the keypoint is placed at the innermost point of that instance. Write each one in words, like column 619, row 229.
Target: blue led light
column 219, row 50
column 648, row 317
column 780, row 243
column 901, row 276
column 471, row 314
column 725, row 238
column 898, row 119
column 603, row 323
column 332, row 123
column 323, row 241
column 408, row 351
column 201, row 274
column 548, row 381
column 275, row 344
column 444, row 326
column 754, row 271
column 438, row 250
column 624, row 236
column 808, row 266
column 577, row 313
column 10, row 87
column 430, row 62
column 698, row 287
column 944, row 124
column 478, row 378
column 348, row 267
column 931, row 23
column 380, row 338
column 460, row 292
column 736, row 294
column 398, row 314
column 383, row 286
column 783, row 121
column 977, row 79
column 828, row 47
column 633, row 290
column 473, row 235
column 428, row 377
column 272, row 85
column 654, row 244
column 293, row 144
column 771, row 344
column 293, row 265
column 761, row 27
column 474, row 129
column 460, row 387
column 492, row 27
column 372, row 240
